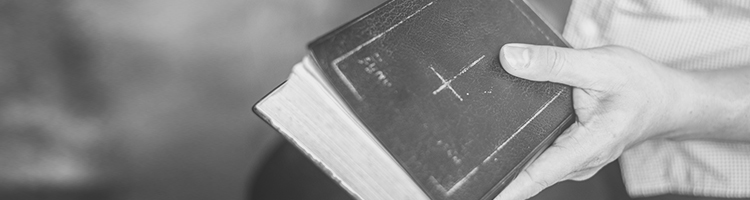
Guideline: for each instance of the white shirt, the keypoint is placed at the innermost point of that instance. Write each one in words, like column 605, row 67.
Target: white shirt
column 684, row 34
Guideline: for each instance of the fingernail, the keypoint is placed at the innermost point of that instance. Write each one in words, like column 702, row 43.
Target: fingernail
column 517, row 55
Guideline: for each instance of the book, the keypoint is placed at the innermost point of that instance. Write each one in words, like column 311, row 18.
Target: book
column 409, row 101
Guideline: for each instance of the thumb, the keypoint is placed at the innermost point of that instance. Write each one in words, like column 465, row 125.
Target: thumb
column 577, row 68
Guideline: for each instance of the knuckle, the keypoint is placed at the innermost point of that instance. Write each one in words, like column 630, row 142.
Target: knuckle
column 583, row 175
column 593, row 161
column 619, row 54
column 540, row 183
column 596, row 161
column 615, row 50
column 553, row 61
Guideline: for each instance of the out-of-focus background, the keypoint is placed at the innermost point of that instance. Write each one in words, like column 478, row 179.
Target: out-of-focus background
column 148, row 99
column 145, row 99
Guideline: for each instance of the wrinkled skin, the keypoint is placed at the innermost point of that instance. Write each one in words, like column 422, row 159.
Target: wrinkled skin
column 622, row 99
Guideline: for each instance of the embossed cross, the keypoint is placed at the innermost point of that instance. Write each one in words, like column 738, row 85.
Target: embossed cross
column 447, row 83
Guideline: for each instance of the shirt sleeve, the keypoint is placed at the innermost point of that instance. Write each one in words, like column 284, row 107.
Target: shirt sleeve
column 702, row 168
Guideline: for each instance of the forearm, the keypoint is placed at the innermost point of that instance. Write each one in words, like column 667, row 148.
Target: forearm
column 713, row 105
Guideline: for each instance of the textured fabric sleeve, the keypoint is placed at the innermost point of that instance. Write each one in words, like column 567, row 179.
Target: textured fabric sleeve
column 687, row 167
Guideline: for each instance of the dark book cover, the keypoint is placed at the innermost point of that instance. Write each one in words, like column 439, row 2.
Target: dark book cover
column 425, row 79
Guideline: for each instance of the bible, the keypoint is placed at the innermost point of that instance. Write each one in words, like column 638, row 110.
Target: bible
column 409, row 101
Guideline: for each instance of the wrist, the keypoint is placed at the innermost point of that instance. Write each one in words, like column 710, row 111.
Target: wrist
column 677, row 106
column 704, row 105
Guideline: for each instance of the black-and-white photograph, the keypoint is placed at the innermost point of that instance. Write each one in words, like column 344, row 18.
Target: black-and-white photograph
column 374, row 99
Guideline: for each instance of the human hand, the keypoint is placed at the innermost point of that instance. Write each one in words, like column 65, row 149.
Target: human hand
column 621, row 98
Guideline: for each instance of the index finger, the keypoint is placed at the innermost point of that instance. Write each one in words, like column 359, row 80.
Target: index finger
column 552, row 166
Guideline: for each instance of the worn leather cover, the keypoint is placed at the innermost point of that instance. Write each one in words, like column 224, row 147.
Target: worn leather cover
column 425, row 79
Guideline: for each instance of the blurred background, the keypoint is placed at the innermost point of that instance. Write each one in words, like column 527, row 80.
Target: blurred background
column 145, row 99
column 150, row 99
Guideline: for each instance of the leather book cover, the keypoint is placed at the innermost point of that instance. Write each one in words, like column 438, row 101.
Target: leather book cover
column 425, row 78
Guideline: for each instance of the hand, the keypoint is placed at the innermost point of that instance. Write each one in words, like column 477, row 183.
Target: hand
column 621, row 98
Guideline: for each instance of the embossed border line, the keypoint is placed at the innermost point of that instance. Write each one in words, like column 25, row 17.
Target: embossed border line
column 336, row 61
column 463, row 180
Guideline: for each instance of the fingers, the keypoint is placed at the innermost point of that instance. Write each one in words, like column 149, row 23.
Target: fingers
column 543, row 173
column 577, row 68
column 557, row 163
